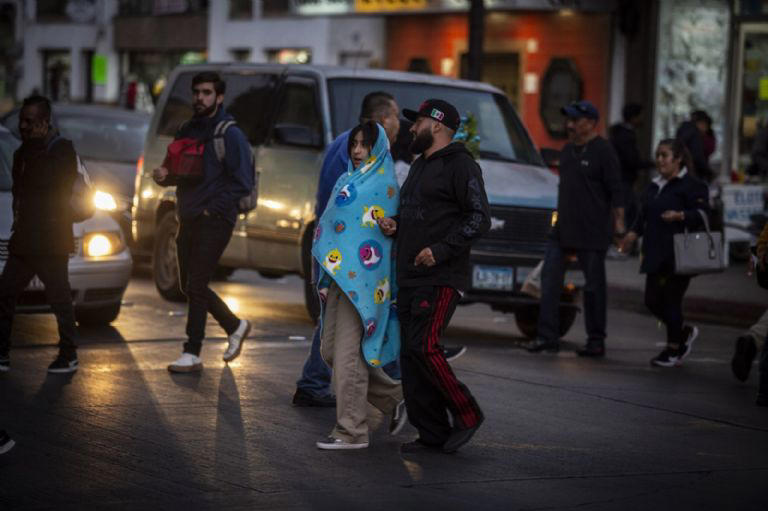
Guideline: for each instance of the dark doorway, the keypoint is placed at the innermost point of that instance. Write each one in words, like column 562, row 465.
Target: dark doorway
column 499, row 69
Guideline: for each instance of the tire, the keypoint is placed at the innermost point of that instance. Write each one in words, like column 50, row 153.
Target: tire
column 311, row 300
column 165, row 267
column 97, row 316
column 527, row 319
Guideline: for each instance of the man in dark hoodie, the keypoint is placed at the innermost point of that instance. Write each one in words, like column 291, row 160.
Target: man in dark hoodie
column 44, row 170
column 443, row 210
column 207, row 209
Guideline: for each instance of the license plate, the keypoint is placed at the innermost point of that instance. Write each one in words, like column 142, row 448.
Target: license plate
column 35, row 284
column 498, row 278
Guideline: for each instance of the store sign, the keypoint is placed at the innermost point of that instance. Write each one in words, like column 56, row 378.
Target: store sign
column 99, row 69
column 740, row 202
column 326, row 7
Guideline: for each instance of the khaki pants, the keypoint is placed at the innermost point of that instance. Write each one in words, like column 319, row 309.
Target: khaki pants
column 759, row 330
column 354, row 381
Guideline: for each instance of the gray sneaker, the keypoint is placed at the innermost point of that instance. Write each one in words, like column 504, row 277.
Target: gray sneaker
column 5, row 365
column 6, row 442
column 399, row 418
column 337, row 444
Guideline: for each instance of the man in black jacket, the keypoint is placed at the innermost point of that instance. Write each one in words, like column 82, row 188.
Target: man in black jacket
column 443, row 210
column 589, row 208
column 44, row 170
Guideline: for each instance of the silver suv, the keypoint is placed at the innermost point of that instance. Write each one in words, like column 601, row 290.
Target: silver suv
column 289, row 114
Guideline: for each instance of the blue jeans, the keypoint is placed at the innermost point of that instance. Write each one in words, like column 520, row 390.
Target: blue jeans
column 592, row 263
column 316, row 375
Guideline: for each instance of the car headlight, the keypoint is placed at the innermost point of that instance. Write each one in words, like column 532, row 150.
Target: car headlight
column 100, row 244
column 553, row 220
column 104, row 201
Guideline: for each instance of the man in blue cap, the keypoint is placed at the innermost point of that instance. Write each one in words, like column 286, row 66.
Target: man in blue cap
column 590, row 210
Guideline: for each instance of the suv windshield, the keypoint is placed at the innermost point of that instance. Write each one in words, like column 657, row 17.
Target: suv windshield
column 8, row 145
column 105, row 138
column 502, row 136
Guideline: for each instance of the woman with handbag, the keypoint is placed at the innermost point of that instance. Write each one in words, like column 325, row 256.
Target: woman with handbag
column 673, row 202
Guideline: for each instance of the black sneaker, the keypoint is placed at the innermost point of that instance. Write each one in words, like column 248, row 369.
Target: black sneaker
column 6, row 442
column 667, row 358
column 399, row 418
column 540, row 345
column 5, row 365
column 691, row 333
column 592, row 350
column 459, row 437
column 304, row 398
column 743, row 357
column 417, row 446
column 452, row 354
column 63, row 364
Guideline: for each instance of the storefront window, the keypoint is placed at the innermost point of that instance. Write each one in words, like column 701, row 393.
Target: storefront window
column 240, row 9
column 692, row 66
column 752, row 7
column 561, row 85
column 57, row 79
column 752, row 137
column 289, row 56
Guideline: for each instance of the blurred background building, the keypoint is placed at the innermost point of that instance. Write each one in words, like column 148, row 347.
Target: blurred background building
column 672, row 56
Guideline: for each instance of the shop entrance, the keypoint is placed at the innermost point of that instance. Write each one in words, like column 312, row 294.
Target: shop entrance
column 501, row 70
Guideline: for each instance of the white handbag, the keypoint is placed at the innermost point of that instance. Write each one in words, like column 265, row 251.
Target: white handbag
column 698, row 252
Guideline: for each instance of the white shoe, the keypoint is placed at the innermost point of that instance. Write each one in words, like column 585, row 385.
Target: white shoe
column 187, row 363
column 236, row 341
column 337, row 444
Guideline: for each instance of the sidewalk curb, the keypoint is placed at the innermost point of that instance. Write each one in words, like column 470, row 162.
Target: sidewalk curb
column 695, row 308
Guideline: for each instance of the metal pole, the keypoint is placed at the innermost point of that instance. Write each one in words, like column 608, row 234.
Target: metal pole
column 476, row 35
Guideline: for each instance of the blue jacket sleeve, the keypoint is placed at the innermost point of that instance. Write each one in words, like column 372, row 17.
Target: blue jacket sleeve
column 334, row 165
column 238, row 164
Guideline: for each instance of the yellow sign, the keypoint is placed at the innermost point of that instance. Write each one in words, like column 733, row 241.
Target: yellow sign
column 763, row 93
column 389, row 5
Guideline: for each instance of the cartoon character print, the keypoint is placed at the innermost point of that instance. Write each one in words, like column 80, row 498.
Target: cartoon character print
column 381, row 294
column 370, row 253
column 370, row 327
column 339, row 226
column 353, row 296
column 368, row 164
column 346, row 195
column 370, row 215
column 332, row 261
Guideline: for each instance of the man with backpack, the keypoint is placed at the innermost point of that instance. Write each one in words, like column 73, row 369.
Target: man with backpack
column 211, row 164
column 45, row 168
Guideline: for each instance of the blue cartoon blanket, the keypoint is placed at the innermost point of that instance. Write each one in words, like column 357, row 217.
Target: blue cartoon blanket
column 351, row 249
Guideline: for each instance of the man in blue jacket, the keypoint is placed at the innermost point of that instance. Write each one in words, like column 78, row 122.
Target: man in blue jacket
column 207, row 208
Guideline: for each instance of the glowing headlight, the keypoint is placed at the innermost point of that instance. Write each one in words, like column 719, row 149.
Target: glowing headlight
column 104, row 200
column 554, row 218
column 99, row 244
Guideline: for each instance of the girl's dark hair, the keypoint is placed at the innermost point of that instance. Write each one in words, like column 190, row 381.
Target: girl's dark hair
column 370, row 131
column 680, row 151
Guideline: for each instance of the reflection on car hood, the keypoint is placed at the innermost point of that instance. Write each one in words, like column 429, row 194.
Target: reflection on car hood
column 518, row 184
column 100, row 221
column 111, row 176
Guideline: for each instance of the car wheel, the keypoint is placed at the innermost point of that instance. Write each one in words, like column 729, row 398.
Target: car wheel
column 311, row 300
column 97, row 316
column 165, row 267
column 527, row 319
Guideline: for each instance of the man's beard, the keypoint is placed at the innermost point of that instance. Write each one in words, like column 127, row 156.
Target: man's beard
column 206, row 111
column 421, row 142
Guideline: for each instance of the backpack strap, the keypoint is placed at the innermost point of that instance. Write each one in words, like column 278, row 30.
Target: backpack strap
column 218, row 138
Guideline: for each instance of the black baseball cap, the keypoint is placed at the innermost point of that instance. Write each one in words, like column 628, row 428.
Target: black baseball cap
column 436, row 109
column 579, row 109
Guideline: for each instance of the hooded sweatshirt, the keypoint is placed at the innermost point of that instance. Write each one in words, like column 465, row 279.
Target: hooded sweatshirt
column 443, row 206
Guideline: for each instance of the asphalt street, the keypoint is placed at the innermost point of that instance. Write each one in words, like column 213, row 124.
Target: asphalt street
column 560, row 432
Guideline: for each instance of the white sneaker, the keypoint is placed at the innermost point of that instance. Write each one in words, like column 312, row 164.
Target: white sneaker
column 187, row 363
column 236, row 341
column 337, row 444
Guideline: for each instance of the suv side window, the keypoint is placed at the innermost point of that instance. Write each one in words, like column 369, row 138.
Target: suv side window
column 249, row 98
column 298, row 120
